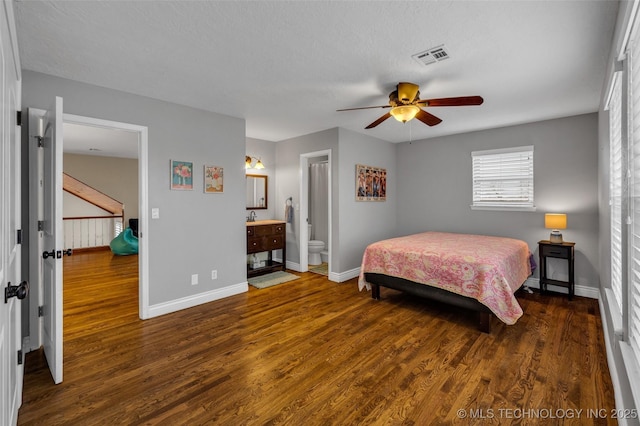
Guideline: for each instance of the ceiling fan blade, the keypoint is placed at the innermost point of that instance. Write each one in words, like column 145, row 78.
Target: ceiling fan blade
column 459, row 101
column 378, row 121
column 369, row 107
column 428, row 119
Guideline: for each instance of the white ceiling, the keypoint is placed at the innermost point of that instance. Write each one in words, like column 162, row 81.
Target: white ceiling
column 286, row 66
column 99, row 141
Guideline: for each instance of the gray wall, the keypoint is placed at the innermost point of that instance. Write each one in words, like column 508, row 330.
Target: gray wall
column 288, row 185
column 434, row 187
column 196, row 232
column 363, row 222
column 354, row 224
column 115, row 177
column 266, row 152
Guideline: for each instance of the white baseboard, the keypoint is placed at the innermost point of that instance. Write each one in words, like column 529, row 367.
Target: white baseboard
column 197, row 299
column 293, row 266
column 340, row 277
column 337, row 277
column 580, row 290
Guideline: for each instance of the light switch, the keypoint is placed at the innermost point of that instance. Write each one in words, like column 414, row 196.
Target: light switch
column 155, row 213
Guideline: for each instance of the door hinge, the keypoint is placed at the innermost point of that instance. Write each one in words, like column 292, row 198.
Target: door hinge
column 19, row 118
column 40, row 311
column 40, row 140
column 19, row 236
column 20, row 357
column 41, row 225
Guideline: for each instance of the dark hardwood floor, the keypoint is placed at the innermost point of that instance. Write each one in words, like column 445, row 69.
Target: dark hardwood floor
column 310, row 352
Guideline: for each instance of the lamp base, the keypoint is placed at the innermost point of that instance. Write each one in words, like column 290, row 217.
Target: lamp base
column 555, row 237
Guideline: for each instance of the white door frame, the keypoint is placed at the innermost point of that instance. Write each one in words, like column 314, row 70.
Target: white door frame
column 143, row 198
column 304, row 207
column 35, row 323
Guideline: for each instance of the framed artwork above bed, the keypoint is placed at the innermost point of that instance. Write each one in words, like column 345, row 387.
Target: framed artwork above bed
column 371, row 183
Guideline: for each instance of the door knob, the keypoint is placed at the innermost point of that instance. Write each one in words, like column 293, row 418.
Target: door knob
column 20, row 291
column 47, row 254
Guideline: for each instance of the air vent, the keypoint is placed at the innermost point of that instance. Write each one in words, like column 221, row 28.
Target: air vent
column 435, row 54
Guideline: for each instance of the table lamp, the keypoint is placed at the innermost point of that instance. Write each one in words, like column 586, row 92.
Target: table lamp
column 555, row 222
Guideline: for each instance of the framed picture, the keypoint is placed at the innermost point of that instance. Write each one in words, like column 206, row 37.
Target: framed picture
column 181, row 175
column 371, row 183
column 213, row 179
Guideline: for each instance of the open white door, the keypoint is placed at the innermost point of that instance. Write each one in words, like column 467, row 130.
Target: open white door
column 11, row 287
column 52, row 239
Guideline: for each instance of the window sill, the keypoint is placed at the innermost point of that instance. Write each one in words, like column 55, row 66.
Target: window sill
column 614, row 312
column 504, row 208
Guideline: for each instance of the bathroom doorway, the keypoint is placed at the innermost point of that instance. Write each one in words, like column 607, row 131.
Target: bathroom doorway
column 315, row 209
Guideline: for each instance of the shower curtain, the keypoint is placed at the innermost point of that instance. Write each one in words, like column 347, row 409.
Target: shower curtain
column 319, row 201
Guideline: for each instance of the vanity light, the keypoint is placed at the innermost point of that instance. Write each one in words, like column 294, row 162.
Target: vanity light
column 248, row 163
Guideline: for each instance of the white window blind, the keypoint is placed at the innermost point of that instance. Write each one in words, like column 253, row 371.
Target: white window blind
column 634, row 202
column 615, row 190
column 503, row 178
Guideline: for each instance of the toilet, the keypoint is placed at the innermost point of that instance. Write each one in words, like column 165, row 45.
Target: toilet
column 315, row 247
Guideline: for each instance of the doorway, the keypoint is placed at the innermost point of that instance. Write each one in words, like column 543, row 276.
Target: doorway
column 117, row 142
column 100, row 202
column 141, row 148
column 315, row 206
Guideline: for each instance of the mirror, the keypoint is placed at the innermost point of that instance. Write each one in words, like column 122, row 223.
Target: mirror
column 256, row 192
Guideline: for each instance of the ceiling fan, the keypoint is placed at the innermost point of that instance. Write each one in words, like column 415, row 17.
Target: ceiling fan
column 405, row 104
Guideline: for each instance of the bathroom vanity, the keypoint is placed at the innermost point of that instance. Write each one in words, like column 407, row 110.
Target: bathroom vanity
column 266, row 236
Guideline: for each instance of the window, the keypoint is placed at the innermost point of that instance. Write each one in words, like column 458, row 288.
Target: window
column 615, row 188
column 503, row 179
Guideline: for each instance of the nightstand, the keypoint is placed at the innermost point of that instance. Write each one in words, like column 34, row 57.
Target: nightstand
column 560, row 251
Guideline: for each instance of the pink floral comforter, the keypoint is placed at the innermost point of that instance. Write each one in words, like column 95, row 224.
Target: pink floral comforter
column 488, row 269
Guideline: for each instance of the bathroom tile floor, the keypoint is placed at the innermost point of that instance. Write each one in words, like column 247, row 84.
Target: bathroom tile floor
column 322, row 269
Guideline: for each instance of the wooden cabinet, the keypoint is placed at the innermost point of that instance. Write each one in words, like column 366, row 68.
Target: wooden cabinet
column 266, row 236
column 563, row 250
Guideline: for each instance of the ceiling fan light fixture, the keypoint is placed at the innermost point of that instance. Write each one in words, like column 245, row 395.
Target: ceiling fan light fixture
column 404, row 113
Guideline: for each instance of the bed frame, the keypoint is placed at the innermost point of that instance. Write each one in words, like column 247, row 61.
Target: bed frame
column 433, row 293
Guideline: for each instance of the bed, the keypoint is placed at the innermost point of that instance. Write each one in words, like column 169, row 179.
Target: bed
column 476, row 272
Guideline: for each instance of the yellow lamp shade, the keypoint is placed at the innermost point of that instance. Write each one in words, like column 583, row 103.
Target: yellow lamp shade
column 404, row 113
column 555, row 221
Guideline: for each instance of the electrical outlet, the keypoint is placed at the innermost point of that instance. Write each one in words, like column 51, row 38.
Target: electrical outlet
column 214, row 274
column 194, row 279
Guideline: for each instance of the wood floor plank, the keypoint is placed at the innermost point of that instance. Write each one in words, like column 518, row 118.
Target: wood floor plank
column 310, row 352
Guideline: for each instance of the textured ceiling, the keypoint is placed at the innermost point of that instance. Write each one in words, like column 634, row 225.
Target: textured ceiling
column 286, row 66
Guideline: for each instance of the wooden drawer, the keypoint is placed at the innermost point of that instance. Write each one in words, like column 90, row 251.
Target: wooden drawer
column 256, row 245
column 251, row 231
column 269, row 230
column 274, row 242
column 562, row 252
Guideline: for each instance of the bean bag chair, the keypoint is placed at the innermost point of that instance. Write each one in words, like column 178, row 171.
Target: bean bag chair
column 125, row 243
